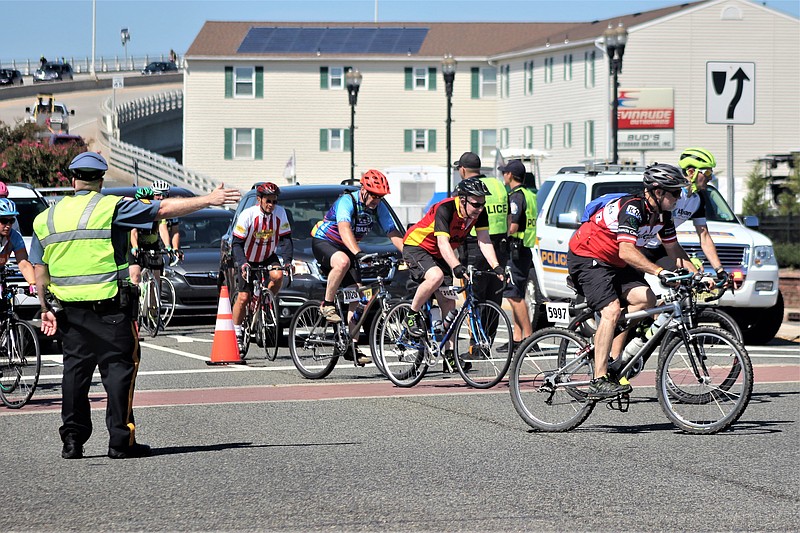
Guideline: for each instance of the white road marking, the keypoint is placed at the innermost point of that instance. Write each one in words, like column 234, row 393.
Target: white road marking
column 184, row 338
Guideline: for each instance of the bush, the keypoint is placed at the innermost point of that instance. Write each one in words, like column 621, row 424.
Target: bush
column 25, row 158
column 787, row 254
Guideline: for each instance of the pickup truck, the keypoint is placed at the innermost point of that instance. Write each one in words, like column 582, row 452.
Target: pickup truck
column 756, row 304
column 49, row 114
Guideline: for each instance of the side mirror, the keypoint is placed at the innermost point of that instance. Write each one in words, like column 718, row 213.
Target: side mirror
column 751, row 221
column 72, row 112
column 568, row 220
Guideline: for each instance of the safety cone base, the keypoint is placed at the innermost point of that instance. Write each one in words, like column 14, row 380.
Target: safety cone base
column 225, row 348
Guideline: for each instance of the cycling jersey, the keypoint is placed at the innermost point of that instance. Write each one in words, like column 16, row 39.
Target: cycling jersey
column 261, row 231
column 10, row 244
column 443, row 219
column 687, row 207
column 628, row 219
column 350, row 208
column 149, row 239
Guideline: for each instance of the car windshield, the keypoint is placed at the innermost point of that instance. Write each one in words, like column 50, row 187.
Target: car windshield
column 203, row 232
column 28, row 209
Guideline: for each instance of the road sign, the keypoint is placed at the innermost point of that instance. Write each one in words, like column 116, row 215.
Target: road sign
column 730, row 93
column 118, row 82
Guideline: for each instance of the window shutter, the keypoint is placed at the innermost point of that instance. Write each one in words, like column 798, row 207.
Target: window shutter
column 476, row 82
column 346, row 135
column 407, row 140
column 431, row 78
column 228, row 143
column 431, row 140
column 259, row 82
column 474, row 141
column 259, row 148
column 323, row 77
column 323, row 140
column 409, row 79
column 228, row 82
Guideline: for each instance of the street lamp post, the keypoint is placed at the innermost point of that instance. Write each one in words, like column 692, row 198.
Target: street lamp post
column 353, row 82
column 125, row 36
column 449, row 73
column 615, row 40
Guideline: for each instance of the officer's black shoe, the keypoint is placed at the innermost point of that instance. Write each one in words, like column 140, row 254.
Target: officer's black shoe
column 72, row 449
column 128, row 452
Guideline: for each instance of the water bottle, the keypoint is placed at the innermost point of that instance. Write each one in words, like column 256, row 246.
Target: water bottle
column 256, row 289
column 358, row 312
column 632, row 348
column 450, row 318
column 657, row 323
column 436, row 320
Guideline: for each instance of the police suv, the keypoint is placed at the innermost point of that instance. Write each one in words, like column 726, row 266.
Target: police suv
column 747, row 255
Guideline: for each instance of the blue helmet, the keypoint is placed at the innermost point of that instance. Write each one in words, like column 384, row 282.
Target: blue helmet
column 8, row 208
column 88, row 166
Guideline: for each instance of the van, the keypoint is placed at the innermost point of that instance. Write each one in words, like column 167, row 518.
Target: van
column 757, row 305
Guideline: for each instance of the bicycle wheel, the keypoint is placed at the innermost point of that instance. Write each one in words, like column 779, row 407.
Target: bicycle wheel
column 20, row 363
column 717, row 318
column 167, row 301
column 374, row 331
column 269, row 325
column 248, row 326
column 402, row 357
column 547, row 395
column 584, row 323
column 148, row 315
column 312, row 342
column 484, row 343
column 714, row 397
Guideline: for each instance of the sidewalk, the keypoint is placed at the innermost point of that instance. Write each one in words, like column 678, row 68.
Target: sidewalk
column 790, row 329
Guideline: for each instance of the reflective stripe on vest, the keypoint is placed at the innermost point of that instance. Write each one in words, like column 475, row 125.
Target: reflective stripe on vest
column 496, row 207
column 528, row 236
column 78, row 250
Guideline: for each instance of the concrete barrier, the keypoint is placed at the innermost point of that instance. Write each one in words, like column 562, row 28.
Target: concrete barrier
column 59, row 87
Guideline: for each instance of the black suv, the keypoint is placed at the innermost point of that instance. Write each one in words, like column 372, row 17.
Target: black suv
column 159, row 67
column 9, row 76
column 53, row 72
column 305, row 205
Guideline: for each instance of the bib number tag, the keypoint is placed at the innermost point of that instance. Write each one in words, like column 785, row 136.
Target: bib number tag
column 451, row 293
column 557, row 312
column 350, row 295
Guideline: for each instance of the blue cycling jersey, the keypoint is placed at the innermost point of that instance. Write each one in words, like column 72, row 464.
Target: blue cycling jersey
column 349, row 208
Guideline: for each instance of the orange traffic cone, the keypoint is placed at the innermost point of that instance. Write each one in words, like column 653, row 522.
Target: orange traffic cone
column 225, row 349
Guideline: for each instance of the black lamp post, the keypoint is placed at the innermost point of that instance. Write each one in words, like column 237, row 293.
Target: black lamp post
column 353, row 81
column 125, row 36
column 615, row 40
column 449, row 73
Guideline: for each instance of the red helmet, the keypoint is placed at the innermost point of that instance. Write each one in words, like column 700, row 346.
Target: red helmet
column 265, row 189
column 375, row 182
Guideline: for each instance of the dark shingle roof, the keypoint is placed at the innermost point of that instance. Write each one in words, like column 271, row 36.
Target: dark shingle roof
column 462, row 39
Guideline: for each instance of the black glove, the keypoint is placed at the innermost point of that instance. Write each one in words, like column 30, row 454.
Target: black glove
column 722, row 277
column 459, row 271
column 664, row 276
column 499, row 270
column 360, row 257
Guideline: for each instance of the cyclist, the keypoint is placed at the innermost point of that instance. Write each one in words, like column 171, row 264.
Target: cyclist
column 429, row 248
column 606, row 263
column 161, row 189
column 262, row 237
column 11, row 241
column 150, row 239
column 697, row 165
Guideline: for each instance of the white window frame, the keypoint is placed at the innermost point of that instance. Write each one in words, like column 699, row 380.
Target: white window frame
column 243, row 148
column 589, row 148
column 504, row 138
column 529, row 77
column 589, row 66
column 341, row 132
column 548, row 69
column 488, row 85
column 241, row 80
column 567, row 67
column 336, row 78
column 420, row 78
column 417, row 136
column 548, row 136
column 528, row 137
column 568, row 135
column 487, row 143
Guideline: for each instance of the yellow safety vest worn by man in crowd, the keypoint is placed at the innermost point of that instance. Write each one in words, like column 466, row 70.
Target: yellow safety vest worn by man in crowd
column 528, row 235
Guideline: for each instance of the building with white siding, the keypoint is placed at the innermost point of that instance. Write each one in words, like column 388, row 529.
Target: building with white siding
column 257, row 92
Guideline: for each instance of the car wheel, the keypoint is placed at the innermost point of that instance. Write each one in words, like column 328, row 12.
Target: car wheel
column 759, row 325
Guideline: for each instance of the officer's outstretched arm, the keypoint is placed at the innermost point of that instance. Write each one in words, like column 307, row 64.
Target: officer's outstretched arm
column 177, row 207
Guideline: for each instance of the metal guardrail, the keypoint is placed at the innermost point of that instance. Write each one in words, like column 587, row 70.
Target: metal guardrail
column 84, row 64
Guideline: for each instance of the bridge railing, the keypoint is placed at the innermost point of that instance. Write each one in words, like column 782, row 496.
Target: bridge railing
column 83, row 65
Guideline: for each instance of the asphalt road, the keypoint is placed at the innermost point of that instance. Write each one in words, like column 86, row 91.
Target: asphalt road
column 257, row 447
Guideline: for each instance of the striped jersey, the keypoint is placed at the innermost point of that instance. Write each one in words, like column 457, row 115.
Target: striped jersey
column 261, row 231
column 443, row 219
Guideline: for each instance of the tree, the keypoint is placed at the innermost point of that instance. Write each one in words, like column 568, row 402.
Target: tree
column 27, row 157
column 789, row 199
column 755, row 202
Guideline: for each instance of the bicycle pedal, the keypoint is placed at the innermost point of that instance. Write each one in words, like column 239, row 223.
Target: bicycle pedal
column 620, row 403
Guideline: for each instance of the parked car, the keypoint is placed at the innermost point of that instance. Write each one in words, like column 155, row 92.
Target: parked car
column 305, row 205
column 62, row 139
column 52, row 71
column 10, row 76
column 129, row 192
column 159, row 67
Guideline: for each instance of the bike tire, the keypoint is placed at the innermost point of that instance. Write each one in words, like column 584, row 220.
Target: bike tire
column 247, row 326
column 374, row 331
column 717, row 318
column 536, row 362
column 167, row 301
column 480, row 336
column 148, row 311
column 713, row 402
column 20, row 363
column 312, row 342
column 402, row 357
column 269, row 326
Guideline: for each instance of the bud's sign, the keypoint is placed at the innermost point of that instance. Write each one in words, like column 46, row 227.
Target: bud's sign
column 641, row 109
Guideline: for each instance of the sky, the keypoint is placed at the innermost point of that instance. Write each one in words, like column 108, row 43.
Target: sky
column 32, row 28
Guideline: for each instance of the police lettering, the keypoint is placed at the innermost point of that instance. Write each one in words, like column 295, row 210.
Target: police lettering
column 496, row 209
column 552, row 258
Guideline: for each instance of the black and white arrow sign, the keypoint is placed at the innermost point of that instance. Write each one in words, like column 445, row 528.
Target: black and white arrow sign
column 730, row 93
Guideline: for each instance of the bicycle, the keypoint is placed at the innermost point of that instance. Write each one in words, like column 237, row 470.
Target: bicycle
column 261, row 312
column 704, row 377
column 20, row 356
column 481, row 333
column 156, row 301
column 316, row 344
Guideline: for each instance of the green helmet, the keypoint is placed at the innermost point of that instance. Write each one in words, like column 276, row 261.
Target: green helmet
column 144, row 193
column 697, row 158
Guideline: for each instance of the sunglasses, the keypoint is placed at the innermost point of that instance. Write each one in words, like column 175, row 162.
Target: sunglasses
column 477, row 205
column 674, row 194
column 374, row 196
column 275, row 201
column 707, row 172
column 7, row 221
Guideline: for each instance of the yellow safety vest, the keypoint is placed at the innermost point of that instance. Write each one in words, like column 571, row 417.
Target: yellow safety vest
column 528, row 236
column 496, row 207
column 76, row 237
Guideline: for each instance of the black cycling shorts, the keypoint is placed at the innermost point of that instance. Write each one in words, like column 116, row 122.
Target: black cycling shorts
column 419, row 261
column 659, row 256
column 324, row 250
column 145, row 260
column 247, row 286
column 602, row 283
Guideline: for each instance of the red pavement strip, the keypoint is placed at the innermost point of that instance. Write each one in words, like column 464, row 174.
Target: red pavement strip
column 337, row 391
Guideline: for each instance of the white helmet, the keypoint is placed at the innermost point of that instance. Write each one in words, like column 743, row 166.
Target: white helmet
column 160, row 187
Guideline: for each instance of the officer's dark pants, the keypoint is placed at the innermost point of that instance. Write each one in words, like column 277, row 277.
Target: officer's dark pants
column 485, row 287
column 100, row 336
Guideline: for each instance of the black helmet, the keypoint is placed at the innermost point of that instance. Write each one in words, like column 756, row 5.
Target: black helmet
column 663, row 176
column 472, row 187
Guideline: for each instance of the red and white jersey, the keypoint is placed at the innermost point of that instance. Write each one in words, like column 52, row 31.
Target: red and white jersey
column 261, row 231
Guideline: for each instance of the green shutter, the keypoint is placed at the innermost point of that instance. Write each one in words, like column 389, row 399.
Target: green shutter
column 431, row 140
column 323, row 140
column 431, row 78
column 259, row 82
column 228, row 82
column 476, row 82
column 474, row 140
column 409, row 79
column 259, row 151
column 408, row 140
column 346, row 135
column 323, row 77
column 228, row 143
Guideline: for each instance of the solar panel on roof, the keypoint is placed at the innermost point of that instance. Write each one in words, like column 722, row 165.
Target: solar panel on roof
column 333, row 40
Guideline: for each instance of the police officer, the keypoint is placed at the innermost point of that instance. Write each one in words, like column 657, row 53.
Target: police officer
column 521, row 238
column 486, row 287
column 79, row 252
